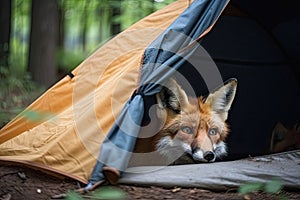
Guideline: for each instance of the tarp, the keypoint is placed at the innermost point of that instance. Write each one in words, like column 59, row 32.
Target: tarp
column 222, row 175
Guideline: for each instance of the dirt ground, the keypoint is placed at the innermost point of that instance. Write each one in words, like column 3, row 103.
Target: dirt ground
column 21, row 182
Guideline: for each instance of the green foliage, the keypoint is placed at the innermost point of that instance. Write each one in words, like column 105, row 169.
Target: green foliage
column 134, row 10
column 17, row 58
column 71, row 195
column 68, row 60
column 19, row 35
column 107, row 193
column 15, row 94
column 12, row 83
column 37, row 116
column 159, row 4
column 273, row 186
column 250, row 187
column 89, row 19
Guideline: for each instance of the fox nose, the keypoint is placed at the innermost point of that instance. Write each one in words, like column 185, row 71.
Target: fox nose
column 209, row 156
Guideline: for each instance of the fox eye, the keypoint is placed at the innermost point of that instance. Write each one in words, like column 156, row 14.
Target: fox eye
column 212, row 131
column 187, row 129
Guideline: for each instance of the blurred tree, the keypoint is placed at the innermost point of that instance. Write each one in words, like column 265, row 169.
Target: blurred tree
column 115, row 14
column 83, row 25
column 61, row 24
column 19, row 40
column 134, row 10
column 103, row 16
column 43, row 41
column 84, row 20
column 5, row 24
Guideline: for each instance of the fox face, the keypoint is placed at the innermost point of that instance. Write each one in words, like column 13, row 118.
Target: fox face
column 195, row 128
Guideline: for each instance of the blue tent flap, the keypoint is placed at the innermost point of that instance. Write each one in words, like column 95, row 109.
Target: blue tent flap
column 162, row 58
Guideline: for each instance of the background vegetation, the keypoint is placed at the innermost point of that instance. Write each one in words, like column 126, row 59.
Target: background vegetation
column 40, row 41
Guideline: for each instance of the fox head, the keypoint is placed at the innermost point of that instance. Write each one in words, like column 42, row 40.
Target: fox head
column 195, row 128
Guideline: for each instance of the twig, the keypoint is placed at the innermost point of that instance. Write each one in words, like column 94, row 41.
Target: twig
column 10, row 173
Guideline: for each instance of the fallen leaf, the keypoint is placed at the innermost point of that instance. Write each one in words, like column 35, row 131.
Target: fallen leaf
column 176, row 189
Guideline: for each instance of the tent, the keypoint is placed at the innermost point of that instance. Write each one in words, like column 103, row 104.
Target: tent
column 101, row 101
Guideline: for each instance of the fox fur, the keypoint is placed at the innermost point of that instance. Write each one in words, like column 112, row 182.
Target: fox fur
column 285, row 139
column 192, row 129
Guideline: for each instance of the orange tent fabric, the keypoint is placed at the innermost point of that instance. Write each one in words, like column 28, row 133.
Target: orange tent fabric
column 76, row 113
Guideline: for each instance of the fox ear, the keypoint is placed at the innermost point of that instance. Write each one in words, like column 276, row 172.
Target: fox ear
column 172, row 96
column 221, row 100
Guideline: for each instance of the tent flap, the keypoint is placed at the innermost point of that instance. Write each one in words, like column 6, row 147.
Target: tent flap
column 162, row 56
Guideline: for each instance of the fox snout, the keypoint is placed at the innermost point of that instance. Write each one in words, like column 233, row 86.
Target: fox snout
column 207, row 151
column 200, row 155
column 207, row 146
column 209, row 156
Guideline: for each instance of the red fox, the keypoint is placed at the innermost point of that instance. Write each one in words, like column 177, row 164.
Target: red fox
column 194, row 129
column 284, row 139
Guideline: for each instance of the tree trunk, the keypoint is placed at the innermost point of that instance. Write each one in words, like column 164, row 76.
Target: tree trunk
column 115, row 12
column 84, row 26
column 43, row 41
column 61, row 26
column 5, row 21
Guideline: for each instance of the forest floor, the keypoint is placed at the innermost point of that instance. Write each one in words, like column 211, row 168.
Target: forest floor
column 22, row 182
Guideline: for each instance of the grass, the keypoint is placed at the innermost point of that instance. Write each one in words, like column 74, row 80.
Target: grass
column 16, row 93
column 105, row 192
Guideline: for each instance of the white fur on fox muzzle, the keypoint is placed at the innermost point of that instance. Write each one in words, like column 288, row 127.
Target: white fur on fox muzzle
column 198, row 155
column 220, row 149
